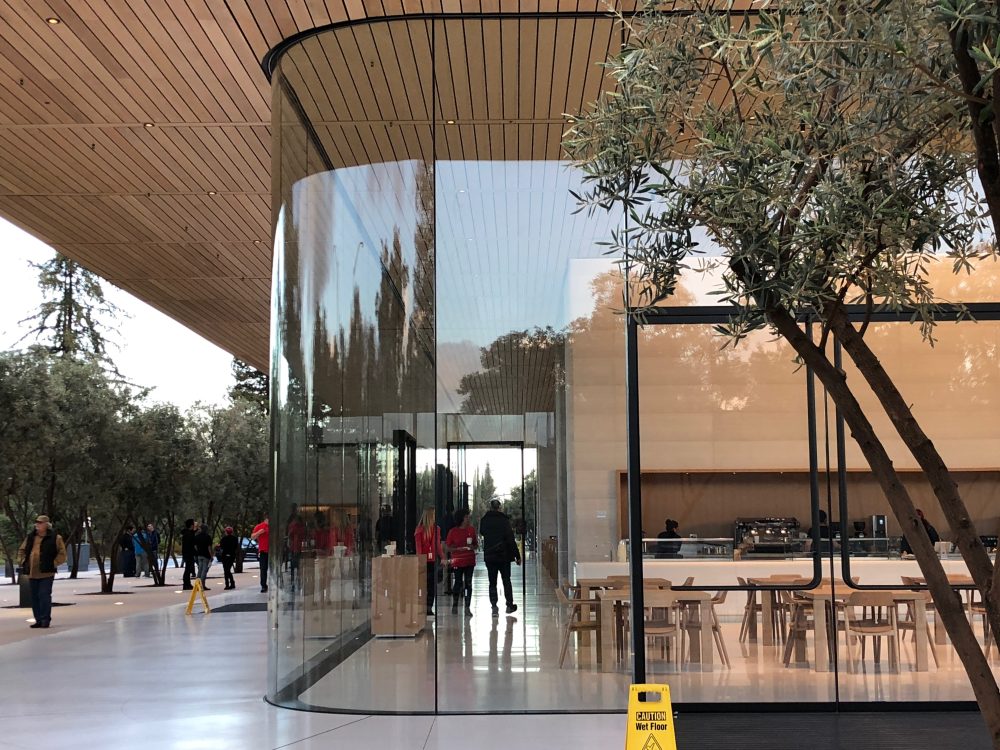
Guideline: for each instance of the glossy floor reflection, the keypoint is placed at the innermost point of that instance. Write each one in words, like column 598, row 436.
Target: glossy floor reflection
column 510, row 663
column 161, row 680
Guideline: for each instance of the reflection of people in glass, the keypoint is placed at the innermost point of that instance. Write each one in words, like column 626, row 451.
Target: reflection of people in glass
column 342, row 533
column 904, row 545
column 501, row 661
column 462, row 543
column 385, row 527
column 668, row 549
column 296, row 536
column 427, row 538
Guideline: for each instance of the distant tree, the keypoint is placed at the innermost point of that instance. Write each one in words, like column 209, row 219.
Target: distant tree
column 484, row 488
column 252, row 386
column 71, row 318
column 161, row 481
column 230, row 485
column 28, row 433
column 524, row 514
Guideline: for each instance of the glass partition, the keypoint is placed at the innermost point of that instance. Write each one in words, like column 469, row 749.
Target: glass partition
column 446, row 335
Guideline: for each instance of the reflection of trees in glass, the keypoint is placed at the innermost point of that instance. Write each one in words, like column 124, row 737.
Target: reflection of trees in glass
column 519, row 375
column 524, row 519
column 483, row 490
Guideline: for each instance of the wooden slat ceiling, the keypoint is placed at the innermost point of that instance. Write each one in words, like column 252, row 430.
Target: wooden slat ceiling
column 179, row 213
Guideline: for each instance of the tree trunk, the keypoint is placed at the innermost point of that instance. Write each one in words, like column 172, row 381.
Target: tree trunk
column 949, row 605
column 168, row 549
column 50, row 491
column 76, row 542
column 982, row 570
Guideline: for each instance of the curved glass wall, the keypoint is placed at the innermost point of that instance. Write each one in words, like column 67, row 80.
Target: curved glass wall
column 446, row 334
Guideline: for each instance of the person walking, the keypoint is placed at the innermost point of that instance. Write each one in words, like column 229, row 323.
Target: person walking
column 499, row 551
column 203, row 553
column 230, row 545
column 40, row 554
column 187, row 552
column 462, row 543
column 261, row 534
column 428, row 542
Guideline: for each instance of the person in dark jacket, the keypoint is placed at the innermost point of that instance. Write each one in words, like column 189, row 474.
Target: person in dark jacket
column 499, row 551
column 904, row 544
column 126, row 554
column 668, row 549
column 229, row 545
column 187, row 552
column 203, row 553
column 40, row 554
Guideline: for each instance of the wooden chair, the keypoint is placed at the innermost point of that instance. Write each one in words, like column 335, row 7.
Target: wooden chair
column 584, row 616
column 978, row 609
column 750, row 609
column 882, row 622
column 662, row 621
column 691, row 624
column 801, row 613
column 909, row 623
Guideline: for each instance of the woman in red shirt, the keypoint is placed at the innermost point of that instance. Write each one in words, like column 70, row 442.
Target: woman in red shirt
column 462, row 542
column 428, row 540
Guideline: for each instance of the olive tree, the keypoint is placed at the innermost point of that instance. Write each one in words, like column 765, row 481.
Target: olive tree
column 827, row 167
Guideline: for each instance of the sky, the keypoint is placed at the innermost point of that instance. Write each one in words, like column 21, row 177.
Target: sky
column 152, row 350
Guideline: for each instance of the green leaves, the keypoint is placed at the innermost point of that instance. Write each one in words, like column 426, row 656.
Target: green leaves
column 823, row 162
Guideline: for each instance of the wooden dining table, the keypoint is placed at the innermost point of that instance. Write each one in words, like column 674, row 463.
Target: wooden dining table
column 823, row 595
column 768, row 605
column 701, row 648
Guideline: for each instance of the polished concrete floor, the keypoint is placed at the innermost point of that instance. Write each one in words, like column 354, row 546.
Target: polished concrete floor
column 510, row 663
column 160, row 679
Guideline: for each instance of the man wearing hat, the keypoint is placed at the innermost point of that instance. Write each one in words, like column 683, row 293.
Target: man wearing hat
column 40, row 554
column 228, row 545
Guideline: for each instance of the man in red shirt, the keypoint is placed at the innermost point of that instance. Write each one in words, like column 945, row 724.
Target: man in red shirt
column 260, row 534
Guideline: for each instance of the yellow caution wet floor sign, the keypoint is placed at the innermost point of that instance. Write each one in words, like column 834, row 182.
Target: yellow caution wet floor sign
column 197, row 591
column 650, row 721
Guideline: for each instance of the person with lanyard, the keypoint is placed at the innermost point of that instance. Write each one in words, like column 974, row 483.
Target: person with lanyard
column 428, row 542
column 41, row 553
column 462, row 543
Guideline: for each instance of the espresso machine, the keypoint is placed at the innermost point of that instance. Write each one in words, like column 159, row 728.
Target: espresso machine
column 879, row 527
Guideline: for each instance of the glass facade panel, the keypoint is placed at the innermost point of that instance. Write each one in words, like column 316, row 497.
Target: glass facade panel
column 447, row 334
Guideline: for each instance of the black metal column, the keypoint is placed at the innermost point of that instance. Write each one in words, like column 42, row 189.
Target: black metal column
column 634, row 498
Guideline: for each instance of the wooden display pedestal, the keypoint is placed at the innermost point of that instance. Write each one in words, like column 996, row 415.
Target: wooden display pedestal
column 398, row 598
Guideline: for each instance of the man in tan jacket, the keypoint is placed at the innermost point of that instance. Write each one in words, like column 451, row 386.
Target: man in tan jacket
column 40, row 554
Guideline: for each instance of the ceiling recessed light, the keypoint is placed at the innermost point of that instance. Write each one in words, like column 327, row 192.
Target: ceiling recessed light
column 148, row 125
column 450, row 122
column 211, row 192
column 256, row 242
column 52, row 21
